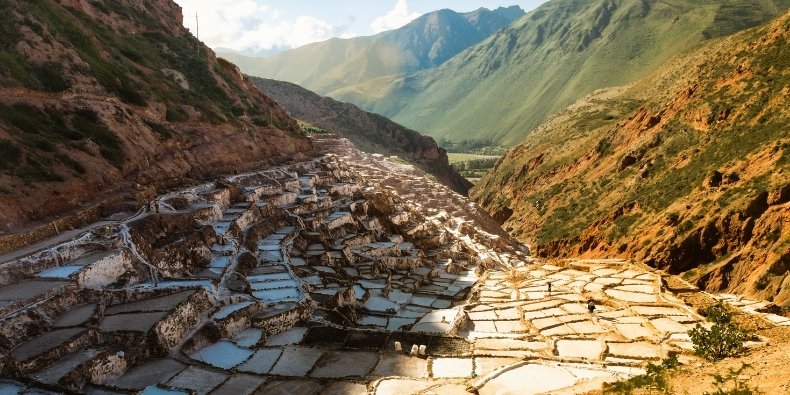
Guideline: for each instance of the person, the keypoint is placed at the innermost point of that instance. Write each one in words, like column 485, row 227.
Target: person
column 590, row 305
column 549, row 284
column 148, row 203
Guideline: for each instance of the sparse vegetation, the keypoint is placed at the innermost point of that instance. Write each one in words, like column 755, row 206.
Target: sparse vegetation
column 725, row 338
column 472, row 147
column 516, row 277
column 10, row 154
column 656, row 378
column 738, row 387
column 472, row 166
column 88, row 124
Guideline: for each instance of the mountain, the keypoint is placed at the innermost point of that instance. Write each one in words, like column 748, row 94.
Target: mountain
column 338, row 63
column 369, row 132
column 506, row 85
column 100, row 102
column 687, row 170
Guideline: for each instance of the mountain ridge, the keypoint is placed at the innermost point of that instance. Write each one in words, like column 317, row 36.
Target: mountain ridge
column 425, row 42
column 504, row 86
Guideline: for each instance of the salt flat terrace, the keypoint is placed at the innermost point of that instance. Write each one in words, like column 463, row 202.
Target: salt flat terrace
column 350, row 273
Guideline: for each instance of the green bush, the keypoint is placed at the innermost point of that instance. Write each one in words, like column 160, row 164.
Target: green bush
column 738, row 388
column 10, row 154
column 176, row 115
column 655, row 378
column 724, row 339
column 88, row 123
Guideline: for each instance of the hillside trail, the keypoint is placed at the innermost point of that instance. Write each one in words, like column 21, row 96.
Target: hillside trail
column 350, row 273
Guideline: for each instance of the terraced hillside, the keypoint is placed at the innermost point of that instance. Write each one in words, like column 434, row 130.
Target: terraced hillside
column 687, row 170
column 508, row 84
column 345, row 273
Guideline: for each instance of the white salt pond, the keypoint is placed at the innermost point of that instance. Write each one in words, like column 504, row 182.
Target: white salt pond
column 223, row 354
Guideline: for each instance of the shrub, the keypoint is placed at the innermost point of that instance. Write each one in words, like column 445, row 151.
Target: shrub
column 176, row 115
column 10, row 154
column 159, row 128
column 88, row 123
column 725, row 338
column 739, row 388
column 655, row 378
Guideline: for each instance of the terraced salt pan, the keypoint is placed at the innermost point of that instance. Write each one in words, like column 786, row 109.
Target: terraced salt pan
column 634, row 297
column 296, row 361
column 291, row 336
column 205, row 284
column 270, row 285
column 580, row 348
column 657, row 311
column 380, row 304
column 262, row 361
column 402, row 365
column 230, row 309
column 536, row 379
column 278, row 295
column 452, row 367
column 223, row 354
column 157, row 390
column 198, row 379
column 372, row 320
column 249, row 337
column 638, row 350
column 62, row 272
column 345, row 364
column 634, row 331
column 219, row 261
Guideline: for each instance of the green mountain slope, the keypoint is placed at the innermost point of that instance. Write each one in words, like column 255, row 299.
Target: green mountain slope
column 687, row 170
column 101, row 100
column 508, row 84
column 369, row 132
column 338, row 63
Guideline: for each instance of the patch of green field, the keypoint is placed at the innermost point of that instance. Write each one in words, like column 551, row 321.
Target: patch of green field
column 463, row 157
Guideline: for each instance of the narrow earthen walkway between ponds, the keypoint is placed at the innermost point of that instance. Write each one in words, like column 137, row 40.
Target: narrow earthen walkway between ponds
column 351, row 273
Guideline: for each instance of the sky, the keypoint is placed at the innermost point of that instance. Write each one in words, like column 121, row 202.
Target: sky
column 266, row 26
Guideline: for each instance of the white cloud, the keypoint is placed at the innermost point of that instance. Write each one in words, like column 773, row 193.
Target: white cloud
column 394, row 18
column 250, row 25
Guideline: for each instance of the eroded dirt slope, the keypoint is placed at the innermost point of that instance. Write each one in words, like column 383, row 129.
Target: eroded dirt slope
column 686, row 171
column 101, row 100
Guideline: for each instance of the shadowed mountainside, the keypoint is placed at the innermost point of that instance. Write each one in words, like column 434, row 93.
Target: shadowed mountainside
column 369, row 132
column 687, row 170
column 101, row 100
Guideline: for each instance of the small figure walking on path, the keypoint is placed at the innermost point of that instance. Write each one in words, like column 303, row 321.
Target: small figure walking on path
column 157, row 205
column 148, row 203
column 549, row 285
column 590, row 305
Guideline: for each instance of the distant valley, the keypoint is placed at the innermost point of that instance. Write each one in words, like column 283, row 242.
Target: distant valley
column 506, row 85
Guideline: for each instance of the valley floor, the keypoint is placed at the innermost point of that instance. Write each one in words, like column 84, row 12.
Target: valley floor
column 346, row 274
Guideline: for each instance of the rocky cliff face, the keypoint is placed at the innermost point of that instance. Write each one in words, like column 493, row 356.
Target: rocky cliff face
column 102, row 100
column 369, row 132
column 688, row 170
